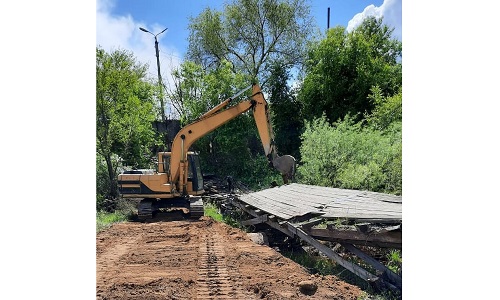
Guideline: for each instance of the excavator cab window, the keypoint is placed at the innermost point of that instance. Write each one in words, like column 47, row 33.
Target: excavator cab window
column 194, row 172
column 166, row 163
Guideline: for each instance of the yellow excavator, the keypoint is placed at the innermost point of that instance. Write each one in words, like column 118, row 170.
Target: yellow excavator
column 178, row 181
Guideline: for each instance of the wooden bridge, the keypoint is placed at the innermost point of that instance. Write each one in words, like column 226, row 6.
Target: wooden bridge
column 350, row 218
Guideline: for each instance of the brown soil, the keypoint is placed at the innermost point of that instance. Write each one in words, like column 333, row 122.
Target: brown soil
column 200, row 260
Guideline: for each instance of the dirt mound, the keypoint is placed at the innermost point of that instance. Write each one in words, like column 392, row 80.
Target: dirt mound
column 200, row 260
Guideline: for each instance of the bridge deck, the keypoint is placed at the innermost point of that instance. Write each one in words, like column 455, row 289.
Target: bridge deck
column 295, row 200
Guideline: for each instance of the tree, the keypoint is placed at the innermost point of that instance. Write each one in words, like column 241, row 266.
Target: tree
column 251, row 34
column 342, row 68
column 124, row 112
column 286, row 114
column 188, row 88
column 387, row 111
column 234, row 148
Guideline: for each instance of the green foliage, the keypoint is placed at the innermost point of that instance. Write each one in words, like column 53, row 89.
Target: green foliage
column 395, row 261
column 197, row 91
column 251, row 34
column 230, row 219
column 124, row 210
column 257, row 174
column 316, row 264
column 105, row 219
column 387, row 109
column 102, row 182
column 286, row 114
column 234, row 148
column 124, row 112
column 212, row 211
column 189, row 87
column 342, row 68
column 348, row 155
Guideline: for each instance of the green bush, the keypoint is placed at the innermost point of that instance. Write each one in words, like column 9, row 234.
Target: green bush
column 350, row 155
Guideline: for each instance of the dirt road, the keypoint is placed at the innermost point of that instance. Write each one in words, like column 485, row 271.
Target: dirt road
column 201, row 260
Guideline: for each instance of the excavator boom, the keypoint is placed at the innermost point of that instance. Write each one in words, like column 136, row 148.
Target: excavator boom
column 178, row 182
column 212, row 120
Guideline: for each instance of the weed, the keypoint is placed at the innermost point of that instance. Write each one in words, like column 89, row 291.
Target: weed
column 105, row 219
column 212, row 211
column 394, row 261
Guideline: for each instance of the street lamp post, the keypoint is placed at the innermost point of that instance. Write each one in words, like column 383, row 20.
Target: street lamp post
column 160, row 82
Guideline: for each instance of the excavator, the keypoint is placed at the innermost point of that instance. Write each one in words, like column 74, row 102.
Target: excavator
column 177, row 182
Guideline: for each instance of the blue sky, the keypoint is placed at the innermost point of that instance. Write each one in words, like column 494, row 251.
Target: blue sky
column 118, row 22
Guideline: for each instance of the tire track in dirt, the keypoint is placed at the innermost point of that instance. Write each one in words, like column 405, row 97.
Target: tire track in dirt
column 214, row 280
column 199, row 260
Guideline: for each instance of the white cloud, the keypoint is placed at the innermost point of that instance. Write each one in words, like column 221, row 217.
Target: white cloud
column 115, row 32
column 390, row 10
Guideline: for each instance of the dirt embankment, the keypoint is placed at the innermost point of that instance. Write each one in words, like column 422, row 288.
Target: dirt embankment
column 201, row 260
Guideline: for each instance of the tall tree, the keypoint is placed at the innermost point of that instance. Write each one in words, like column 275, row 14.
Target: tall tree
column 251, row 34
column 286, row 114
column 124, row 111
column 234, row 148
column 342, row 68
column 188, row 88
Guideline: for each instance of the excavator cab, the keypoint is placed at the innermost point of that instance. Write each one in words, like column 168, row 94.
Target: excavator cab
column 194, row 174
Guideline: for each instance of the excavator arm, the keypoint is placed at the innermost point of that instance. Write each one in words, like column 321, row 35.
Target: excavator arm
column 212, row 120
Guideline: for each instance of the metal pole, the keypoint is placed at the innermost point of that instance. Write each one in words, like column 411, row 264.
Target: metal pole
column 160, row 82
column 328, row 18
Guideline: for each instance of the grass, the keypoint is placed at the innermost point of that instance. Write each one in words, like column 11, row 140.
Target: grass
column 105, row 219
column 125, row 212
column 213, row 212
column 315, row 264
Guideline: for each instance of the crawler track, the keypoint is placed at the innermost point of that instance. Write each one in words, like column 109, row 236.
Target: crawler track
column 196, row 208
column 148, row 210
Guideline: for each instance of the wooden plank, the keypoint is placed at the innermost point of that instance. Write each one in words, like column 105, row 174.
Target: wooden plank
column 279, row 199
column 391, row 276
column 351, row 196
column 355, row 269
column 391, row 239
column 254, row 221
column 309, row 224
column 328, row 191
column 273, row 208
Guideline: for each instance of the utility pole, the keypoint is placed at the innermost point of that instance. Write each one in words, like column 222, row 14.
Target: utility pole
column 328, row 19
column 160, row 82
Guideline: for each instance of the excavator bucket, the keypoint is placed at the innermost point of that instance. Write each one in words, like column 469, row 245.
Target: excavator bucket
column 286, row 166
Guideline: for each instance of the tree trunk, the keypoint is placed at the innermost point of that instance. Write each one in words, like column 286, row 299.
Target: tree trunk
column 113, row 189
